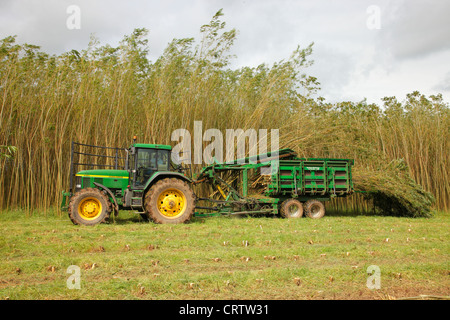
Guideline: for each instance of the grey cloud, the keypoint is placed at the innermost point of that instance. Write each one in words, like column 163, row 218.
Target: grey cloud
column 444, row 84
column 416, row 28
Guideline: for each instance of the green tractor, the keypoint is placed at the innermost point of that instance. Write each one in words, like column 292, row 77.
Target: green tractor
column 148, row 183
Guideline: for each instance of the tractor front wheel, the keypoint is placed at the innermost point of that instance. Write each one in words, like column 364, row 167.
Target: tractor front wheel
column 170, row 200
column 89, row 207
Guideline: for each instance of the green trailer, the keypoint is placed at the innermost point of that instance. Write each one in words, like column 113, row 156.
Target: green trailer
column 276, row 183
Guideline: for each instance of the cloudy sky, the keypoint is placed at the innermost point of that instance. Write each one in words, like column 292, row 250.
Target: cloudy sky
column 362, row 49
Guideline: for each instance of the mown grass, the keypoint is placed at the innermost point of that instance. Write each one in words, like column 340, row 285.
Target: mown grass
column 209, row 259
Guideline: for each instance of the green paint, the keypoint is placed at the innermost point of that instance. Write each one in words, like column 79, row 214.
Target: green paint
column 104, row 173
column 152, row 146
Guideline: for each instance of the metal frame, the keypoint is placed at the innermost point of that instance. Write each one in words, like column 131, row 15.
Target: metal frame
column 76, row 152
column 288, row 180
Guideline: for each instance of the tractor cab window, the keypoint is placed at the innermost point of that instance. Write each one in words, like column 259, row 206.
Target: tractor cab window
column 162, row 160
column 148, row 161
column 146, row 158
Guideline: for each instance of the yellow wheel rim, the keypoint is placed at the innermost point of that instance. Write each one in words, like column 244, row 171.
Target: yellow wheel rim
column 171, row 203
column 90, row 208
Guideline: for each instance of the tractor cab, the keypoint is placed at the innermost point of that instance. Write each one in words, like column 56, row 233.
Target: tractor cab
column 145, row 160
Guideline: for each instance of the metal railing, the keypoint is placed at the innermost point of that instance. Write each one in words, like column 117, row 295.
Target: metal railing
column 94, row 157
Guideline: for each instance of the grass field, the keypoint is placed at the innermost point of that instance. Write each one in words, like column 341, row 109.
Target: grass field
column 224, row 258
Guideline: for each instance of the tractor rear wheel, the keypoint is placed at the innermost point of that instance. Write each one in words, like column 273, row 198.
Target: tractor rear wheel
column 89, row 207
column 314, row 209
column 291, row 208
column 170, row 200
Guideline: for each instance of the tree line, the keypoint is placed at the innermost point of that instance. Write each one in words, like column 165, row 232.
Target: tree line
column 104, row 95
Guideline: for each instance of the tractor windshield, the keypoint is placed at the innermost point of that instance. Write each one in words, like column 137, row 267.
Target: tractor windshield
column 149, row 161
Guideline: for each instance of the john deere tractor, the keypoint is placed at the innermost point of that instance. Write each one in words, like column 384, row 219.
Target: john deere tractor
column 147, row 182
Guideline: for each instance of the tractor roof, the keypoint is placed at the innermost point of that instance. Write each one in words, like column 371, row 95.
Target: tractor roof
column 152, row 146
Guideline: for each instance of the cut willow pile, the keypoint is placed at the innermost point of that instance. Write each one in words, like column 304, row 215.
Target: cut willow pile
column 392, row 191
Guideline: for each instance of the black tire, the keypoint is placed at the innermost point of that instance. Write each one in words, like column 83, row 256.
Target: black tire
column 170, row 201
column 291, row 208
column 89, row 207
column 314, row 209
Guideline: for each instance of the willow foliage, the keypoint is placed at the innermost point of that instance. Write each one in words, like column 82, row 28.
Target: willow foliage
column 104, row 95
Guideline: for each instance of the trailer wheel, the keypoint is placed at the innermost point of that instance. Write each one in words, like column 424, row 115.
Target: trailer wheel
column 89, row 207
column 314, row 209
column 170, row 200
column 291, row 208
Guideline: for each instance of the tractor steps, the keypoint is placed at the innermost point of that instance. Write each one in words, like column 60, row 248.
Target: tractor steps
column 136, row 205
